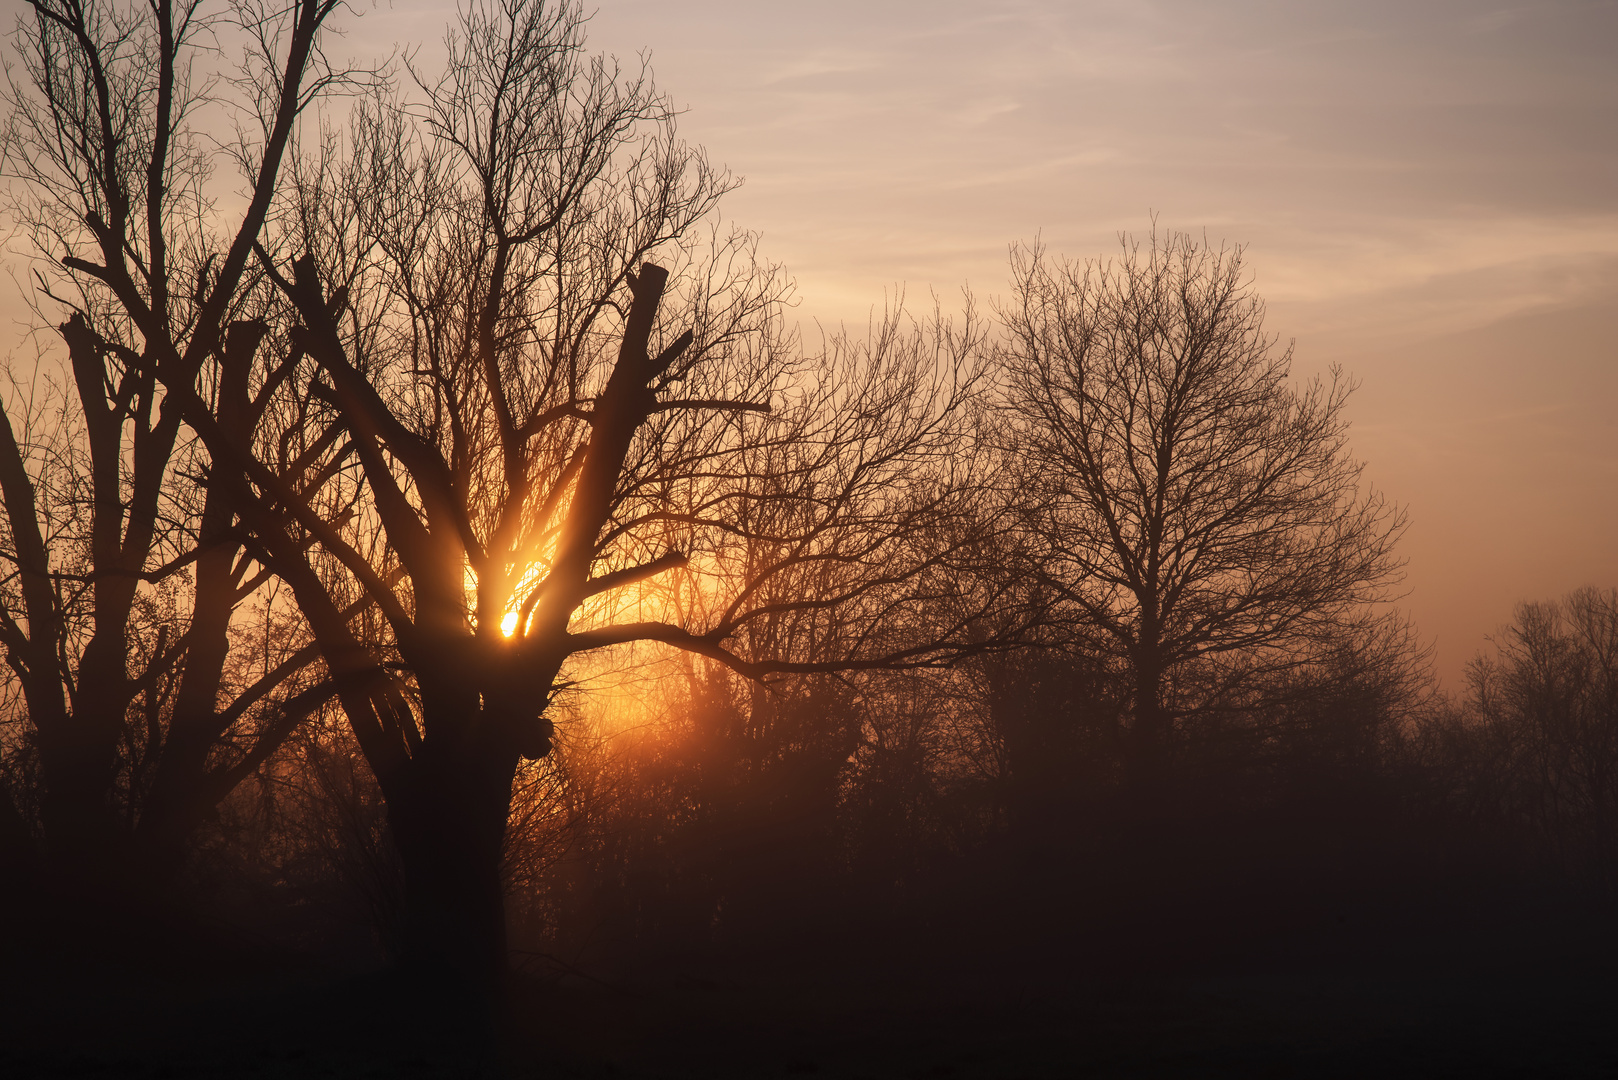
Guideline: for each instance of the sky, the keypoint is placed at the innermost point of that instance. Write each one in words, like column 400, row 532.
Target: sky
column 1427, row 194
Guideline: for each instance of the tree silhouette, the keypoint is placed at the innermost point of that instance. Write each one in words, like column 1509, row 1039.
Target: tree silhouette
column 492, row 433
column 1540, row 727
column 1193, row 513
column 122, row 613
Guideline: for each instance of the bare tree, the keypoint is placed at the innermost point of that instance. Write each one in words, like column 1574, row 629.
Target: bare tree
column 1542, row 715
column 121, row 611
column 480, row 338
column 1195, row 513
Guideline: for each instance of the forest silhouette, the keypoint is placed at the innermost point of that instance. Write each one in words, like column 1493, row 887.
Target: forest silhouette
column 439, row 582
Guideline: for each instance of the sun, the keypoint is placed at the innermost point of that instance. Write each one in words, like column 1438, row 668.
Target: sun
column 508, row 624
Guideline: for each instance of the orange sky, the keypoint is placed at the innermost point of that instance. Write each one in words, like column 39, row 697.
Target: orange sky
column 1429, row 194
column 1429, row 197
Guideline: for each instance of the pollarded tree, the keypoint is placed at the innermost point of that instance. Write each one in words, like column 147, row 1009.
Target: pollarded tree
column 125, row 571
column 1191, row 507
column 470, row 296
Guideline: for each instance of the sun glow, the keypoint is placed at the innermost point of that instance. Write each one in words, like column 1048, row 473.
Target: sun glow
column 508, row 624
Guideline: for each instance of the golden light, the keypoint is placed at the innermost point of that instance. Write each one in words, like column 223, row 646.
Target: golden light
column 508, row 623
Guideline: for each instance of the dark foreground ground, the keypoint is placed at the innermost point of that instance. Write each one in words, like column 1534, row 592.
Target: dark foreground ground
column 1469, row 982
column 1386, row 1022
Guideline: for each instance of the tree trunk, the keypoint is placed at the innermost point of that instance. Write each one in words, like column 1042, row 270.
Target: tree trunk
column 17, row 854
column 1151, row 733
column 179, row 801
column 448, row 819
column 448, row 806
column 82, row 831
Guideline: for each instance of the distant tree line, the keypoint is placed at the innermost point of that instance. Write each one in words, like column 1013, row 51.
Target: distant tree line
column 442, row 548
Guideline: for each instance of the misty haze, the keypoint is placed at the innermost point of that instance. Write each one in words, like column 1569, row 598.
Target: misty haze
column 921, row 540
